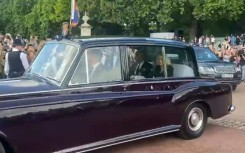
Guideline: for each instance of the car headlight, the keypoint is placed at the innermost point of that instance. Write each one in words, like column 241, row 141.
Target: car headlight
column 206, row 70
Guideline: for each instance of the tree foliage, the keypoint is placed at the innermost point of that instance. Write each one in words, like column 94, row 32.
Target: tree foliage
column 137, row 13
column 38, row 17
column 44, row 17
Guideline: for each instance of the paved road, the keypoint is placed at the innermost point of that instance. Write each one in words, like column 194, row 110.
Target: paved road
column 226, row 135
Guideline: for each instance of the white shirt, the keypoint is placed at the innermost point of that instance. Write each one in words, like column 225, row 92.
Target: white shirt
column 200, row 41
column 212, row 39
column 23, row 58
column 207, row 40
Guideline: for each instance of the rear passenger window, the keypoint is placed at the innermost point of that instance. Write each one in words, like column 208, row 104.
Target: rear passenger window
column 101, row 64
column 181, row 61
column 159, row 62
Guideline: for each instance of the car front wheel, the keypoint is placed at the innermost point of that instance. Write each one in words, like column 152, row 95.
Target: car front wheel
column 194, row 122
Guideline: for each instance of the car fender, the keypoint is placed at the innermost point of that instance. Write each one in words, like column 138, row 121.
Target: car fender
column 212, row 95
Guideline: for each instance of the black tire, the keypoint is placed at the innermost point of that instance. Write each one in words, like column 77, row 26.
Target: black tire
column 2, row 150
column 185, row 131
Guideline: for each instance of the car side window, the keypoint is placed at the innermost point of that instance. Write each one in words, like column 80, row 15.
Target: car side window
column 159, row 62
column 181, row 61
column 142, row 61
column 97, row 65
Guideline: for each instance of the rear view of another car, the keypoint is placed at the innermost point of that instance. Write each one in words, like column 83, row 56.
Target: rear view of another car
column 210, row 66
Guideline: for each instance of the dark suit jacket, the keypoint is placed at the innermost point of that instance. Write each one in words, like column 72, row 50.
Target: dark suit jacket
column 97, row 75
column 145, row 70
column 159, row 73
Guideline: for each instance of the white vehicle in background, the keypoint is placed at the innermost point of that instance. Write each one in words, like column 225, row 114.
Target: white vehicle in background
column 163, row 35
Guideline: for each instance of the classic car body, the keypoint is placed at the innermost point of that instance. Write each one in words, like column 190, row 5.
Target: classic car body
column 211, row 66
column 42, row 115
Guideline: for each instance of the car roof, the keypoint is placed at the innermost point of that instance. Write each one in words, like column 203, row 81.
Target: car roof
column 122, row 40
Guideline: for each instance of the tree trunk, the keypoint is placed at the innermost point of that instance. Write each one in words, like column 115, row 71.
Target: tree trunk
column 193, row 30
column 196, row 29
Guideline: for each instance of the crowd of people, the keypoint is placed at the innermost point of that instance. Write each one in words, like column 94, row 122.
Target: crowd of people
column 230, row 40
column 17, row 53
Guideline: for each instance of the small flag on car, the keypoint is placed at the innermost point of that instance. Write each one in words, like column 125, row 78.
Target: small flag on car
column 75, row 14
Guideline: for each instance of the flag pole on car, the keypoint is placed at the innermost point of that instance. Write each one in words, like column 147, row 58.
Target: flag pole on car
column 75, row 15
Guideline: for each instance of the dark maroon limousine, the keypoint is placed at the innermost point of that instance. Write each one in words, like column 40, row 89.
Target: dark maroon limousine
column 82, row 95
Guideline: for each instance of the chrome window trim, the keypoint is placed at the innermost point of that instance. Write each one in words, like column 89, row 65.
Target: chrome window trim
column 126, row 83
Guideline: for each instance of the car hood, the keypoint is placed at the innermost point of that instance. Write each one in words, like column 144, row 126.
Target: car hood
column 214, row 63
column 24, row 85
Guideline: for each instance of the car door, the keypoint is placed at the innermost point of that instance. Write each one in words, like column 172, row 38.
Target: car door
column 150, row 100
column 153, row 96
column 94, row 112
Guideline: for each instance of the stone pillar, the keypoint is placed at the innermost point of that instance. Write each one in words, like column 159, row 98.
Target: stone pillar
column 85, row 27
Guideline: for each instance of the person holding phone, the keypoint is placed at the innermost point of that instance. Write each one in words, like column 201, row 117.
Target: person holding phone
column 242, row 63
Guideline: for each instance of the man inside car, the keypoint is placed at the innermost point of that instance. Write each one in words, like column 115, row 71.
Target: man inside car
column 96, row 68
column 143, row 68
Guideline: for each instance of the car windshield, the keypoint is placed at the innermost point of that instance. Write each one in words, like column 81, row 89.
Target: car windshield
column 53, row 61
column 204, row 54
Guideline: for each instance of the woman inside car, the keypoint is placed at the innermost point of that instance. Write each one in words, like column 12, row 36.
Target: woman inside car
column 159, row 69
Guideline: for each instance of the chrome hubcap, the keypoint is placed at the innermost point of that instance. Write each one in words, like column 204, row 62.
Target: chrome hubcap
column 195, row 119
